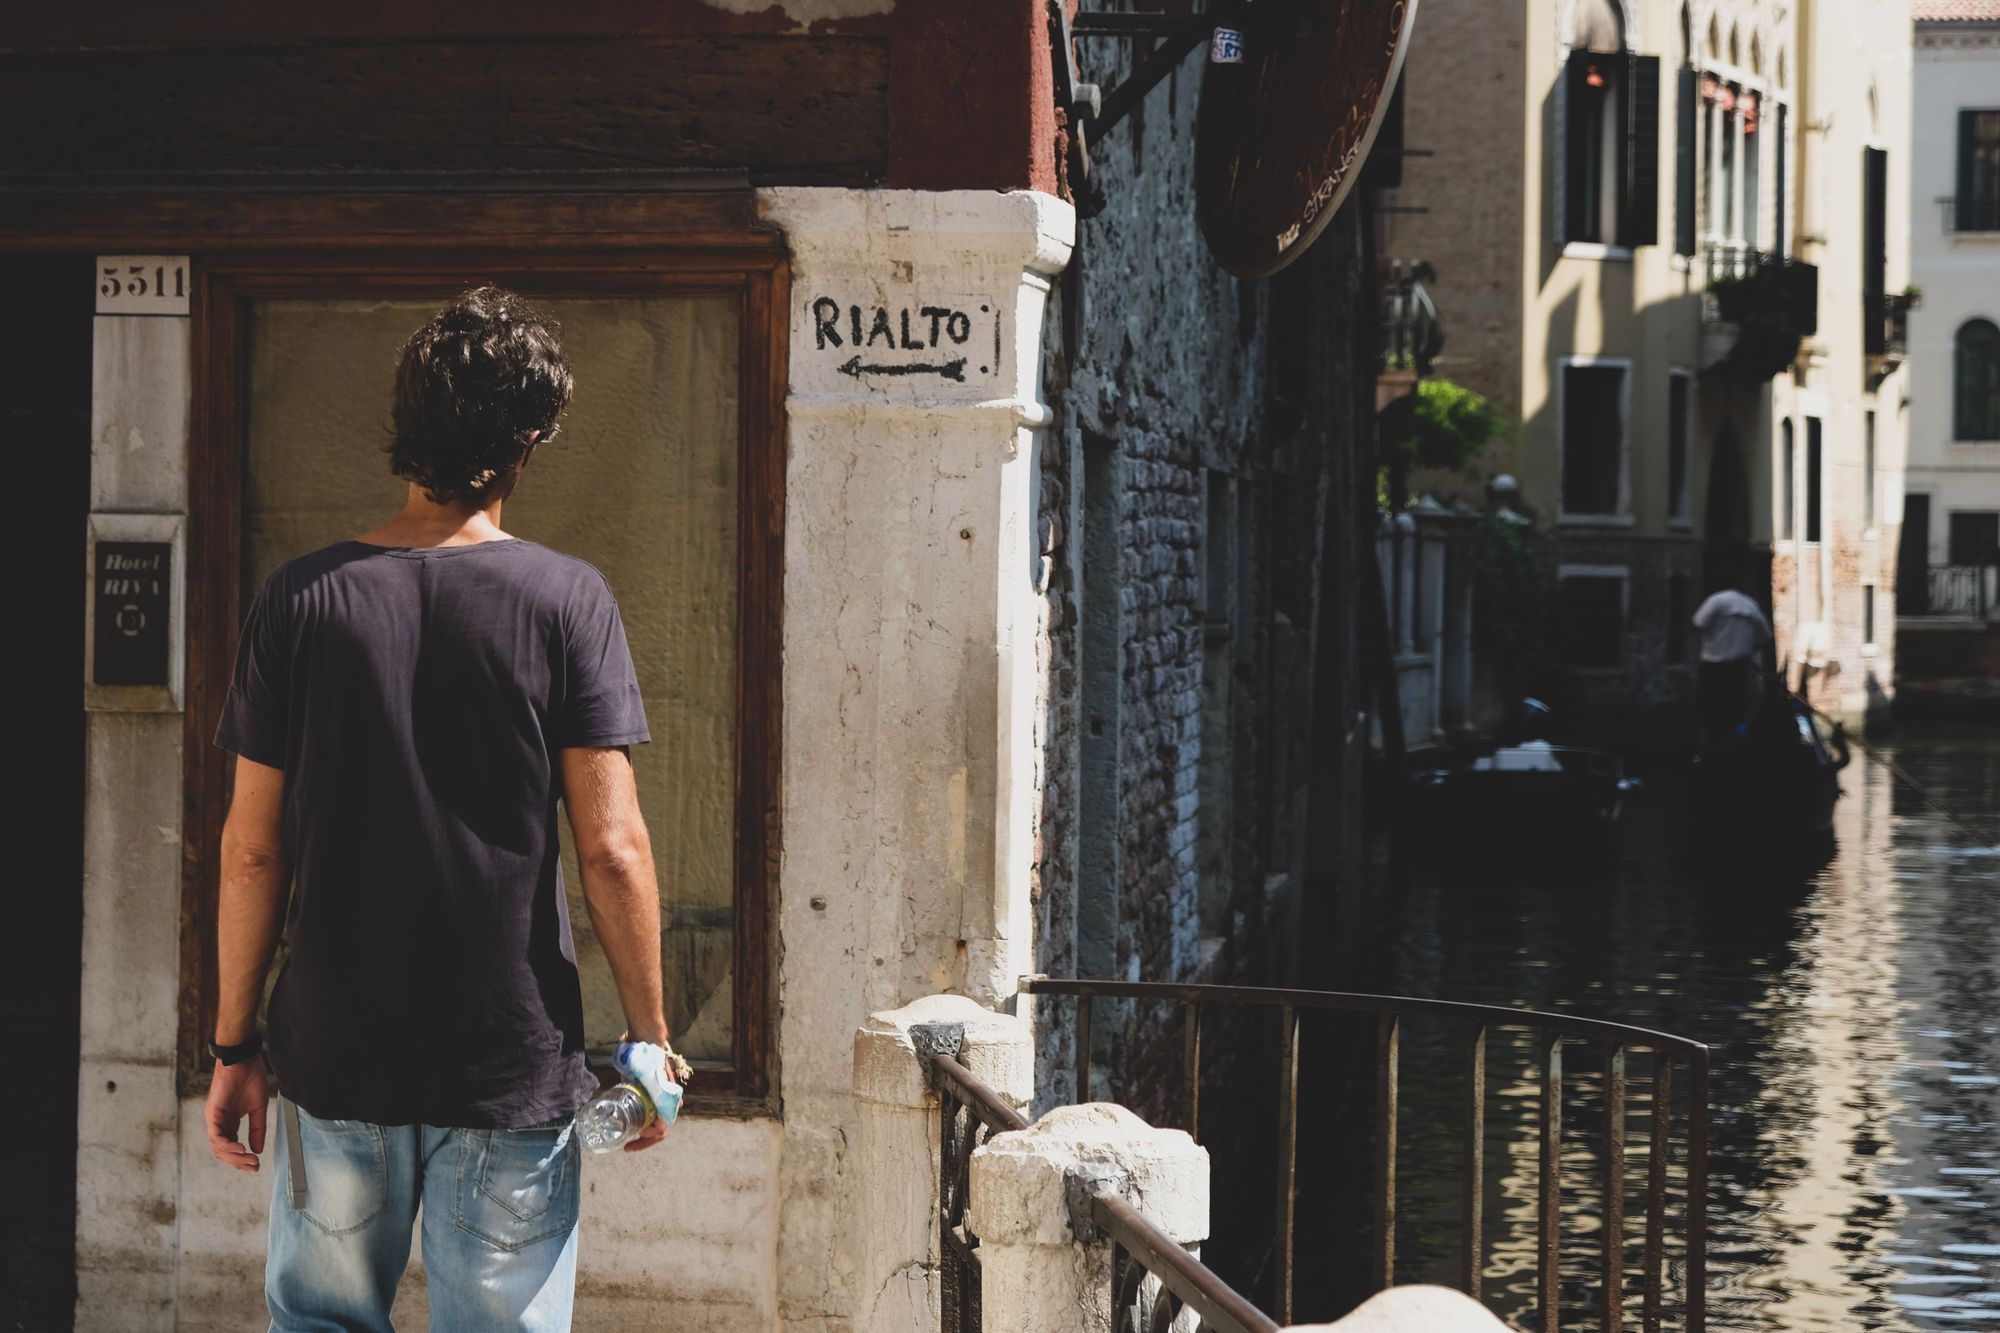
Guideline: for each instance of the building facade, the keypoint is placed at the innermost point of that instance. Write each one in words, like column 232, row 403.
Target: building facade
column 1951, row 506
column 1673, row 287
column 994, row 615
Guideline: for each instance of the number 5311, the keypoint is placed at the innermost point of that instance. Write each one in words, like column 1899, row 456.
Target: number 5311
column 141, row 280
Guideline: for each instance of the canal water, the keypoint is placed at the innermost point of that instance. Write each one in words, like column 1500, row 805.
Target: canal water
column 1855, row 1016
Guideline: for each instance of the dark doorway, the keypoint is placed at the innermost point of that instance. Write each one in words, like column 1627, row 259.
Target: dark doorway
column 1725, row 557
column 45, row 405
column 1913, row 556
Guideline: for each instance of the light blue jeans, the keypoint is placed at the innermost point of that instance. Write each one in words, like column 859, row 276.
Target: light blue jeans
column 499, row 1209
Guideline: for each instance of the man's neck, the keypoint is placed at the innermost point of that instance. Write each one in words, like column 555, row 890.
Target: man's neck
column 424, row 523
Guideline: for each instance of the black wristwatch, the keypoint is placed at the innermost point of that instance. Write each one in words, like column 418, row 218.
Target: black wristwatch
column 247, row 1049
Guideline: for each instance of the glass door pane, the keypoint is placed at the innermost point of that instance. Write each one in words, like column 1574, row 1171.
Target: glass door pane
column 642, row 481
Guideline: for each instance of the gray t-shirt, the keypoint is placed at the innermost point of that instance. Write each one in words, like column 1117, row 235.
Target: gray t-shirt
column 416, row 699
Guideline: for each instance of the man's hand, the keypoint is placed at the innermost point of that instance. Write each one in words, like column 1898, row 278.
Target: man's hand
column 655, row 1130
column 237, row 1092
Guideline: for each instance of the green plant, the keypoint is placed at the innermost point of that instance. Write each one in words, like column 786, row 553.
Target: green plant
column 1450, row 426
column 1445, row 426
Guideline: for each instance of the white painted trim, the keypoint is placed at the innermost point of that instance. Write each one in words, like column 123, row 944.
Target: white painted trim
column 1622, row 517
column 1597, row 250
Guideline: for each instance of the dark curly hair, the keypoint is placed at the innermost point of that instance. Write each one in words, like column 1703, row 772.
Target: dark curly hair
column 485, row 375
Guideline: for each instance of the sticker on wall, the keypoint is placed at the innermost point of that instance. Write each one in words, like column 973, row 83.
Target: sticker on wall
column 143, row 284
column 955, row 341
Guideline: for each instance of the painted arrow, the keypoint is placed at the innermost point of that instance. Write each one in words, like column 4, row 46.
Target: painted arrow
column 951, row 370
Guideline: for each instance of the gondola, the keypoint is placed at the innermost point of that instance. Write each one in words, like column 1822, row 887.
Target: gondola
column 1767, row 789
column 1531, row 793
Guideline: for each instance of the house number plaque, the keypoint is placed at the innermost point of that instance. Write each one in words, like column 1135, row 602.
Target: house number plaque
column 142, row 284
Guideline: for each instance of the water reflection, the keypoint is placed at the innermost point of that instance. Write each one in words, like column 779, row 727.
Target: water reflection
column 1855, row 1165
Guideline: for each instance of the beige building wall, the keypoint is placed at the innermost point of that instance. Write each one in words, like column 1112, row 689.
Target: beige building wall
column 1854, row 93
column 1518, row 304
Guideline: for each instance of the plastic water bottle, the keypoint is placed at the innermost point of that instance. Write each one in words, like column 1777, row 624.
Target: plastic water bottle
column 614, row 1117
column 650, row 1091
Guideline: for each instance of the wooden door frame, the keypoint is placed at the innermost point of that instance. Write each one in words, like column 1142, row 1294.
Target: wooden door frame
column 748, row 264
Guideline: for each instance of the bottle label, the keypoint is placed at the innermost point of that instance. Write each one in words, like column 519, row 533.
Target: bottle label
column 1225, row 47
column 646, row 1065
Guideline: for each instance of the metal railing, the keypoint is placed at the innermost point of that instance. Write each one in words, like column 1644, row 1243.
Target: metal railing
column 1746, row 284
column 1140, row 1250
column 1974, row 214
column 969, row 1113
column 1959, row 590
column 1552, row 1032
column 1887, row 335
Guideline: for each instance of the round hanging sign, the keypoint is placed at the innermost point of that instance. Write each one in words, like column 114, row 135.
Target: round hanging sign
column 1290, row 105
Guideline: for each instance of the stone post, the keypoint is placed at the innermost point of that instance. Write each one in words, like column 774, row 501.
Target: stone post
column 129, row 1118
column 1045, row 1265
column 895, row 1155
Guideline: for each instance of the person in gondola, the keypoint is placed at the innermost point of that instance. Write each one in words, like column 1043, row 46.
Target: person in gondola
column 1735, row 664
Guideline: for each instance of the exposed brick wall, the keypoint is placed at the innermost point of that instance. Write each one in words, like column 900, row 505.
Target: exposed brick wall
column 1160, row 734
column 1160, row 355
column 1203, row 389
column 1053, row 887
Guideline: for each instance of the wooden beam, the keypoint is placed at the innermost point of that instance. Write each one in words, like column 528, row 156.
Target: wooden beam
column 319, row 219
column 797, row 109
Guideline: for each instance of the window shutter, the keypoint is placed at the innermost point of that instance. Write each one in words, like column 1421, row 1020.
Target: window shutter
column 1687, row 114
column 1967, row 136
column 1566, row 147
column 1558, row 163
column 1874, row 250
column 1639, row 210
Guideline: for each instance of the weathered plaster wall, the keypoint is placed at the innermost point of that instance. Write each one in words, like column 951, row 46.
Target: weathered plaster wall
column 1858, row 95
column 910, row 656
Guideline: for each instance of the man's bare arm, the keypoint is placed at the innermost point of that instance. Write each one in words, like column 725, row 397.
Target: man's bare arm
column 254, row 875
column 620, row 888
column 255, row 872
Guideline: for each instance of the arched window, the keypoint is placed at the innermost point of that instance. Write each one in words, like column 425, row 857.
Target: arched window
column 1976, row 381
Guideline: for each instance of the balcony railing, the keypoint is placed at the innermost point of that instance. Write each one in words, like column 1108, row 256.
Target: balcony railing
column 1473, row 1024
column 1767, row 302
column 1958, row 590
column 1970, row 215
column 1888, row 331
